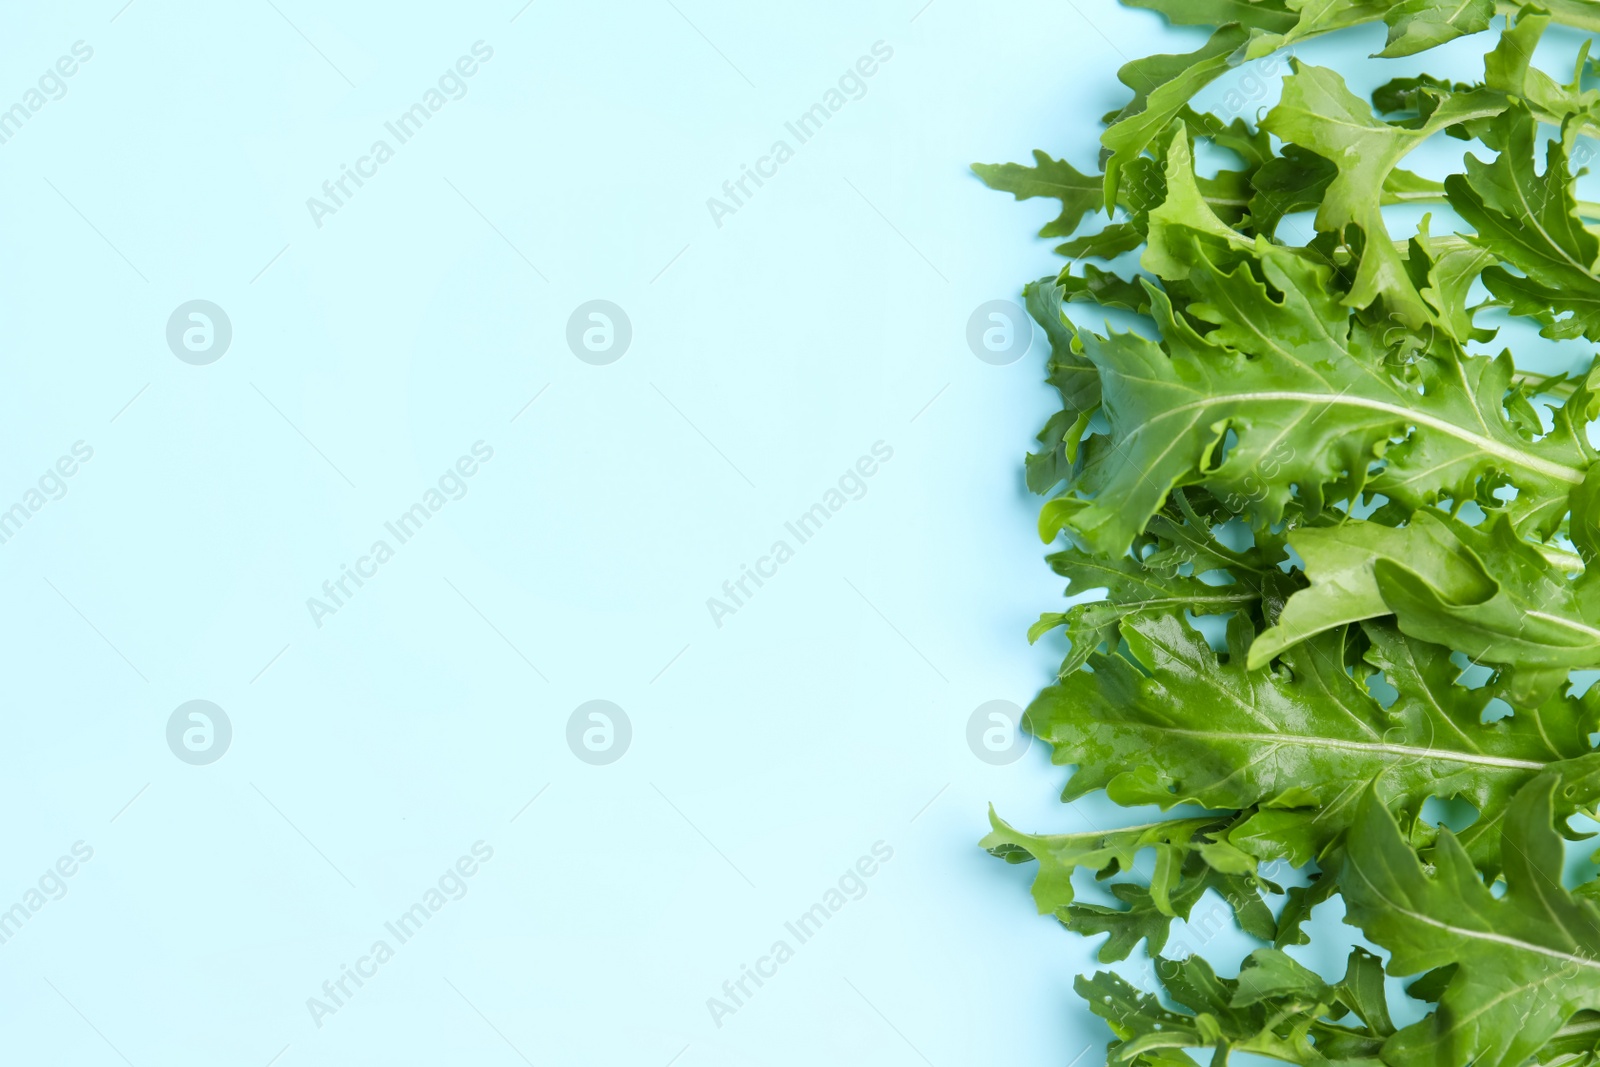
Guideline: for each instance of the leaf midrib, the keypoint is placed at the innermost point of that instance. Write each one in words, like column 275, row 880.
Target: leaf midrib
column 1570, row 475
column 1422, row 754
column 1473, row 935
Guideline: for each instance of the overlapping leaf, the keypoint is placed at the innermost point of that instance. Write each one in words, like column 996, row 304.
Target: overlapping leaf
column 1174, row 724
column 1417, row 25
column 1149, row 912
column 1163, row 85
column 1179, row 565
column 1188, row 858
column 1276, row 1007
column 1308, row 390
column 1059, row 855
column 1525, row 962
column 1319, row 113
column 1073, row 377
column 1251, row 29
column 1483, row 591
column 1509, row 67
column 1530, row 222
column 1288, row 385
column 1080, row 194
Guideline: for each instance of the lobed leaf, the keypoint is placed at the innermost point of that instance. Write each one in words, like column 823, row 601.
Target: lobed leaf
column 1525, row 962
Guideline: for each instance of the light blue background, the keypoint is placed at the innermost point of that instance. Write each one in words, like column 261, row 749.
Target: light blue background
column 829, row 313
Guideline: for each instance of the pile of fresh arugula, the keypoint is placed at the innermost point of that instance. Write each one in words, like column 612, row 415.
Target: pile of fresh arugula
column 1301, row 443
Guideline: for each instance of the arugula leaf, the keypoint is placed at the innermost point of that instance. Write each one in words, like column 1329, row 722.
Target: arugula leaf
column 1276, row 1007
column 1251, row 29
column 1163, row 576
column 1271, row 15
column 1318, row 112
column 1162, row 87
column 1405, row 93
column 1073, row 377
column 1307, row 389
column 1530, row 221
column 1172, row 723
column 1526, row 962
column 1509, row 68
column 1108, row 243
column 1579, row 14
column 1149, row 914
column 1313, row 403
column 1104, row 288
column 1324, row 16
column 1453, row 265
column 1296, row 388
column 1142, row 186
column 1132, row 590
column 1577, row 1042
column 1485, row 592
column 1302, row 900
column 1108, row 852
column 1079, row 193
column 1417, row 25
column 1254, row 146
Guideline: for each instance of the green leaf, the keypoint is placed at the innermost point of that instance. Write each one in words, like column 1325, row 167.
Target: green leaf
column 1286, row 387
column 1104, row 852
column 1072, row 375
column 1153, row 581
column 1417, row 25
column 1173, row 723
column 1325, row 16
column 1109, row 243
column 1249, row 143
column 1580, row 14
column 1302, row 900
column 1453, row 266
column 1294, row 181
column 1482, row 591
column 1314, row 404
column 1527, row 961
column 1308, row 390
column 1578, row 1038
column 1406, row 93
column 1583, row 524
column 1509, row 68
column 1274, row 1008
column 1271, row 15
column 1247, row 30
column 1298, row 179
column 1530, row 221
column 1057, row 179
column 1105, row 288
column 1053, row 462
column 1362, row 991
column 1431, row 986
column 1318, row 112
column 1148, row 916
column 1162, row 86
